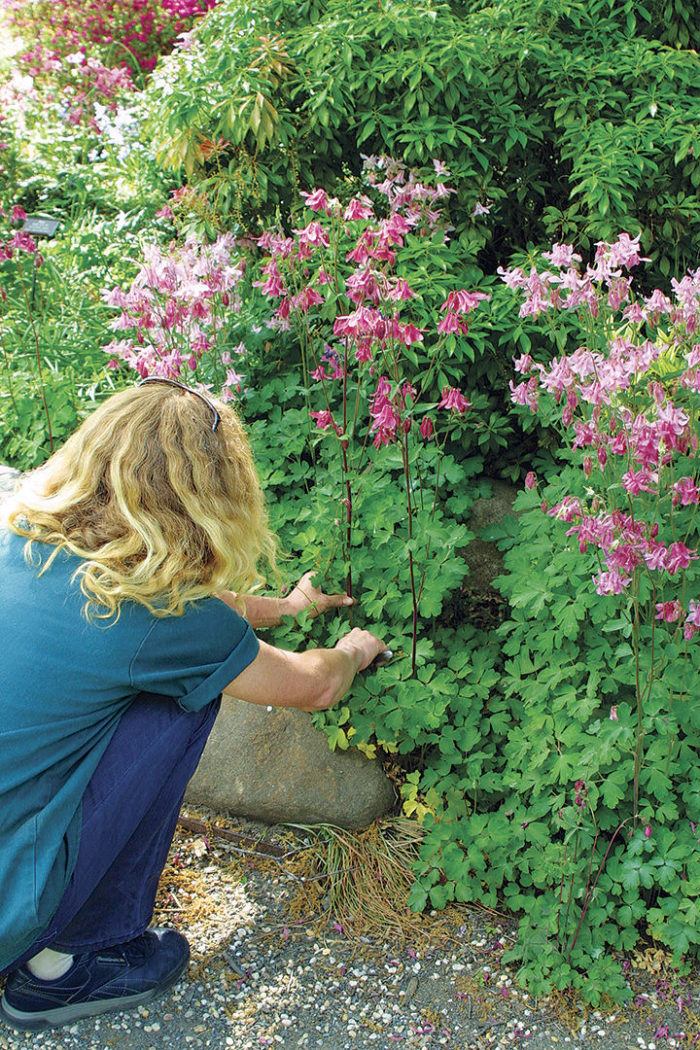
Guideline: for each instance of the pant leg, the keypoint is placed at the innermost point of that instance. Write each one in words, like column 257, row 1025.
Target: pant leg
column 130, row 810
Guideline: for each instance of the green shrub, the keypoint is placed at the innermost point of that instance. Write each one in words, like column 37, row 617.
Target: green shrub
column 568, row 121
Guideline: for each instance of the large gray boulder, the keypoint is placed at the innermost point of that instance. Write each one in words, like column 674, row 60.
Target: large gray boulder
column 272, row 764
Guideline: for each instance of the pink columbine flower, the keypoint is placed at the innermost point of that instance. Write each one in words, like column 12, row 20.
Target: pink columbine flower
column 679, row 557
column 449, row 324
column 385, row 416
column 685, row 492
column 692, row 623
column 530, row 480
column 324, row 419
column 406, row 334
column 525, row 393
column 400, row 290
column 313, row 235
column 668, row 611
column 522, row 364
column 647, row 831
column 561, row 255
column 611, row 582
column 358, row 208
column 463, row 301
column 317, row 201
column 639, row 481
column 452, row 399
column 613, row 713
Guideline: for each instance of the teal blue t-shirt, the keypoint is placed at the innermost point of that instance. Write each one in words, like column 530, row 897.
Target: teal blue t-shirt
column 64, row 683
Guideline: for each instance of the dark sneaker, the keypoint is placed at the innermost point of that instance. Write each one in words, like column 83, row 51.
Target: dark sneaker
column 116, row 978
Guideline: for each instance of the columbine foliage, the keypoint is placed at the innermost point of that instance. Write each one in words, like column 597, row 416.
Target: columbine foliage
column 601, row 836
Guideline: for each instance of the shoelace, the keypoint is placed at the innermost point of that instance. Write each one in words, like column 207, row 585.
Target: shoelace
column 132, row 953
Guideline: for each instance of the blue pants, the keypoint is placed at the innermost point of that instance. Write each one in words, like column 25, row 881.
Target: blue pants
column 130, row 811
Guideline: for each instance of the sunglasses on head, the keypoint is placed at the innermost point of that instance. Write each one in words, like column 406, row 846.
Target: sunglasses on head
column 189, row 389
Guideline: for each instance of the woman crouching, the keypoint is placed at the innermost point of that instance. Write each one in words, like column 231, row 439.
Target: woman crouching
column 127, row 562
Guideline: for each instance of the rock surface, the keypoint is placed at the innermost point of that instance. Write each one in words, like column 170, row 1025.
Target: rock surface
column 272, row 764
column 8, row 479
column 484, row 559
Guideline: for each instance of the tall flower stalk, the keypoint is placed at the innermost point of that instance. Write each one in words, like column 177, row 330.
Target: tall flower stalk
column 15, row 281
column 370, row 356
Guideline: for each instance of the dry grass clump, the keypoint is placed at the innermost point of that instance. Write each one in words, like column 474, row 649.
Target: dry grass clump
column 359, row 881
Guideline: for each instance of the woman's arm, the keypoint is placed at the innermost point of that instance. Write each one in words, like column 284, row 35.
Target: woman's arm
column 268, row 612
column 312, row 680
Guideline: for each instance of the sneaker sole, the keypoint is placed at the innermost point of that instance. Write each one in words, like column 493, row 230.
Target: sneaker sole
column 36, row 1021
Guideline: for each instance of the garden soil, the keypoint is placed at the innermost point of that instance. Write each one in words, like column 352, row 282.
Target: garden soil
column 277, row 962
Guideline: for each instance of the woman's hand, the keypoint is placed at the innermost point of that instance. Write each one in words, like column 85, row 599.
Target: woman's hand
column 261, row 611
column 362, row 646
column 307, row 597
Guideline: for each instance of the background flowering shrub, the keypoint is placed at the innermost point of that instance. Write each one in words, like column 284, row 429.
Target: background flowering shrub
column 566, row 122
column 132, row 33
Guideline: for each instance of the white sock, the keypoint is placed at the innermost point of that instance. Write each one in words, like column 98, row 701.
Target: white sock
column 49, row 965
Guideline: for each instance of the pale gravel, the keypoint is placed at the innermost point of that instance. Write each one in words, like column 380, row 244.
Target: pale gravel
column 260, row 980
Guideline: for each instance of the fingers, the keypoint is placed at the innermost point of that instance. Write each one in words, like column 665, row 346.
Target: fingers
column 363, row 644
column 337, row 601
column 316, row 600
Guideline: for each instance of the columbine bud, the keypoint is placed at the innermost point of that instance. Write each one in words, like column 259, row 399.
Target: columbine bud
column 613, row 713
column 647, row 831
column 587, row 466
column 426, row 427
column 530, row 480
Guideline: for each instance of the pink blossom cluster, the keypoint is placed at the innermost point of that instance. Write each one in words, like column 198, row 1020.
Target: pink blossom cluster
column 305, row 270
column 628, row 405
column 176, row 310
column 18, row 241
column 143, row 28
column 387, row 411
column 571, row 288
column 77, row 82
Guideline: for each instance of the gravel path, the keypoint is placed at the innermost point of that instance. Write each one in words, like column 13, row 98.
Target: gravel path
column 266, row 973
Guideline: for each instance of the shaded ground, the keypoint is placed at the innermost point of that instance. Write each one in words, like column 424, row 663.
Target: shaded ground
column 271, row 969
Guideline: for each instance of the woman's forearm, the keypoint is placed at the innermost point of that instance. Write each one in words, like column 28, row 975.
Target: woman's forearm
column 258, row 610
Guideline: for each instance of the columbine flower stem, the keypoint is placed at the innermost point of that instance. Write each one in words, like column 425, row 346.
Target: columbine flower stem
column 42, row 385
column 638, row 691
column 6, row 359
column 590, row 890
column 347, row 476
column 409, row 508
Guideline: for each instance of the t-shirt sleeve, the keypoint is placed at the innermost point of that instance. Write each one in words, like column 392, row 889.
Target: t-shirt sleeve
column 194, row 656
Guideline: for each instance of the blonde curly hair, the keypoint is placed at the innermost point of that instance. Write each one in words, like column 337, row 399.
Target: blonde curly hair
column 161, row 508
